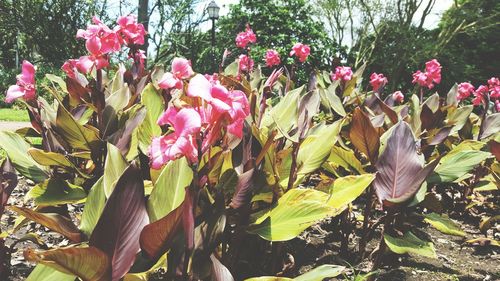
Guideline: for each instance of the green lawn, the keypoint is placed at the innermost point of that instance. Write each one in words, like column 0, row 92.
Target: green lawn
column 9, row 114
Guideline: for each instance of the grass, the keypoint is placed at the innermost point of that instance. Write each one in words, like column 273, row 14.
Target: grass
column 9, row 114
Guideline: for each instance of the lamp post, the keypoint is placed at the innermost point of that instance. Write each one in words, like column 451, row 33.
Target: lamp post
column 213, row 14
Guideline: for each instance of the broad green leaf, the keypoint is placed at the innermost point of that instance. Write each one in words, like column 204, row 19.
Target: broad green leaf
column 315, row 149
column 321, row 272
column 357, row 78
column 58, row 80
column 294, row 212
column 93, row 207
column 75, row 134
column 457, row 117
column 269, row 278
column 334, row 100
column 344, row 158
column 114, row 167
column 466, row 145
column 451, row 97
column 154, row 104
column 415, row 111
column 16, row 149
column 88, row 263
column 410, row 244
column 455, row 165
column 285, row 113
column 443, row 224
column 491, row 125
column 169, row 189
column 231, row 69
column 55, row 191
column 47, row 273
column 346, row 189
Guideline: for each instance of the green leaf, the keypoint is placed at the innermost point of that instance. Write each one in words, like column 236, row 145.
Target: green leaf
column 346, row 189
column 410, row 244
column 93, row 207
column 153, row 102
column 443, row 224
column 269, row 278
column 46, row 273
column 49, row 158
column 114, row 167
column 232, row 69
column 75, row 134
column 334, row 100
column 169, row 189
column 344, row 158
column 455, row 165
column 491, row 125
column 458, row 117
column 285, row 113
column 321, row 272
column 315, row 149
column 56, row 192
column 16, row 149
column 294, row 212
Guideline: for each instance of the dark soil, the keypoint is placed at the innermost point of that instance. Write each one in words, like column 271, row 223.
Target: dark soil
column 316, row 246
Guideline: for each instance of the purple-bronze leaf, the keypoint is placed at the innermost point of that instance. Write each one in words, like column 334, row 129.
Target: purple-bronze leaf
column 8, row 181
column 400, row 171
column 123, row 218
column 244, row 189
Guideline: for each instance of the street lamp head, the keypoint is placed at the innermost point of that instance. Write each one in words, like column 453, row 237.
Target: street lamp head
column 213, row 10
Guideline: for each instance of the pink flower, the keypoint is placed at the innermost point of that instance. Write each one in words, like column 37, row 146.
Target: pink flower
column 86, row 63
column 100, row 39
column 398, row 96
column 301, row 51
column 132, row 32
column 479, row 95
column 181, row 69
column 25, row 86
column 464, row 90
column 186, row 123
column 245, row 64
column 377, row 81
column 70, row 67
column 272, row 58
column 494, row 84
column 431, row 75
column 246, row 37
column 229, row 107
column 497, row 105
column 342, row 73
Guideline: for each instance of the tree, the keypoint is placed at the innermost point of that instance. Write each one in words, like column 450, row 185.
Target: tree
column 278, row 25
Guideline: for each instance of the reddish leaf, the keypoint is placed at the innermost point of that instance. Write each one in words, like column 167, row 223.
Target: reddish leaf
column 441, row 135
column 119, row 227
column 53, row 221
column 393, row 116
column 8, row 181
column 122, row 138
column 494, row 148
column 400, row 170
column 89, row 263
column 157, row 237
column 431, row 119
column 244, row 189
column 363, row 135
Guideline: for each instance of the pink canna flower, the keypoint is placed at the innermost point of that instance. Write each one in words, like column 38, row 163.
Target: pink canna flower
column 301, row 51
column 377, row 81
column 464, row 90
column 246, row 37
column 186, row 123
column 25, row 86
column 70, row 67
column 398, row 96
column 431, row 75
column 342, row 73
column 132, row 33
column 224, row 106
column 181, row 69
column 494, row 87
column 86, row 63
column 100, row 39
column 245, row 64
column 497, row 105
column 272, row 58
column 479, row 95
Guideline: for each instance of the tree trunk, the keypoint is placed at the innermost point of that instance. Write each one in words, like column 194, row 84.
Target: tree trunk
column 143, row 17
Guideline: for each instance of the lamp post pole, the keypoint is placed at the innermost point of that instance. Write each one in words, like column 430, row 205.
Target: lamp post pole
column 213, row 14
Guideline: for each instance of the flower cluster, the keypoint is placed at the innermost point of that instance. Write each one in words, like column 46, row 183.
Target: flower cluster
column 431, row 76
column 100, row 40
column 377, row 81
column 246, row 37
column 398, row 96
column 245, row 64
column 272, row 58
column 301, row 51
column 25, row 86
column 215, row 109
column 466, row 89
column 343, row 73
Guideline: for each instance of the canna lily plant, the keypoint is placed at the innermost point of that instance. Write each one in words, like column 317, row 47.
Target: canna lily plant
column 202, row 174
